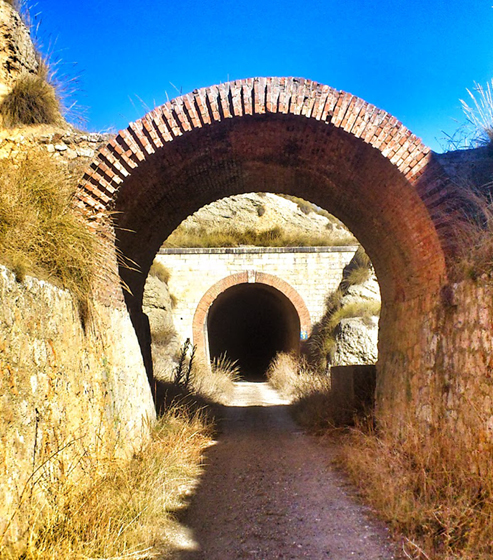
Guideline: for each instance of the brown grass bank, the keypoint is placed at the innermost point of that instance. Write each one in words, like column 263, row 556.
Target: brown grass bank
column 112, row 508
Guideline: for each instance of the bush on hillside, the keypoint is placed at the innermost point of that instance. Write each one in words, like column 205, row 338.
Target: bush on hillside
column 32, row 101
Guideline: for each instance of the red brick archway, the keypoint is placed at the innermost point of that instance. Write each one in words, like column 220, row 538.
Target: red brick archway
column 279, row 135
column 292, row 136
column 200, row 315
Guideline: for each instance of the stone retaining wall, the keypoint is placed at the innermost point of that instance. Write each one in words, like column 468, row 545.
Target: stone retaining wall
column 311, row 273
column 439, row 376
column 63, row 390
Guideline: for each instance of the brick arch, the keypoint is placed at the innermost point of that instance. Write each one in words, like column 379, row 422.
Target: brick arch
column 200, row 315
column 298, row 137
column 281, row 135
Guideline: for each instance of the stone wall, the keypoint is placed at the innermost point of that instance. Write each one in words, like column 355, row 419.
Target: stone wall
column 439, row 375
column 313, row 272
column 63, row 389
column 64, row 144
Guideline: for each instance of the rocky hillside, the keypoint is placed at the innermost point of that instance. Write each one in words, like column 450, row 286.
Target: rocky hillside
column 347, row 334
column 17, row 52
column 247, row 218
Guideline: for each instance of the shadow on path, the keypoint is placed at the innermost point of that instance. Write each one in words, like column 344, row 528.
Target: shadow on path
column 269, row 492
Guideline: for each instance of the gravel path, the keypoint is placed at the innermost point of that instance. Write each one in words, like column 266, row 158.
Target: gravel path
column 269, row 491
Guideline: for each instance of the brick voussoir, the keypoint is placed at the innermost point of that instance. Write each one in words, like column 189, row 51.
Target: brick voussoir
column 140, row 137
column 201, row 102
column 134, row 148
column 191, row 109
column 181, row 114
column 169, row 119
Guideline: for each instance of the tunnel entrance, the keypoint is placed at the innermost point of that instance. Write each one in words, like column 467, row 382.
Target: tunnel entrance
column 251, row 323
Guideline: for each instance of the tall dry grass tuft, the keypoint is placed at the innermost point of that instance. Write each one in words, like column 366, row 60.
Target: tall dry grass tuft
column 113, row 508
column 216, row 383
column 312, row 402
column 480, row 114
column 188, row 379
column 426, row 487
column 160, row 271
column 474, row 235
column 32, row 100
column 41, row 232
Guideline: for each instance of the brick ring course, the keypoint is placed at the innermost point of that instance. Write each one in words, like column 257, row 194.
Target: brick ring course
column 200, row 315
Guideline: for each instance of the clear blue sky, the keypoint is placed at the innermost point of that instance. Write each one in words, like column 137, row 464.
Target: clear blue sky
column 414, row 59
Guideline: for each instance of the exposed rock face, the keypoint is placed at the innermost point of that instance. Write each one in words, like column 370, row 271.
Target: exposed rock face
column 263, row 211
column 356, row 341
column 357, row 337
column 157, row 306
column 62, row 385
column 17, row 52
column 157, row 303
column 367, row 291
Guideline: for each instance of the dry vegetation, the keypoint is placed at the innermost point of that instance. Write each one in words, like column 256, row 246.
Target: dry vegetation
column 479, row 114
column 312, row 402
column 231, row 237
column 323, row 341
column 112, row 508
column 33, row 100
column 474, row 243
column 188, row 379
column 427, row 488
column 159, row 271
column 40, row 231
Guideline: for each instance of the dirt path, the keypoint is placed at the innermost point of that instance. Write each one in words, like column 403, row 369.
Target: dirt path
column 269, row 492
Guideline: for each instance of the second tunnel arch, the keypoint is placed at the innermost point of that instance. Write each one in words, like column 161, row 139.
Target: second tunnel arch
column 293, row 136
column 300, row 315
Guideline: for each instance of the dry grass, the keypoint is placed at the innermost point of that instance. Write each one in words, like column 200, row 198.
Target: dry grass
column 426, row 488
column 480, row 114
column 40, row 231
column 183, row 376
column 312, row 402
column 216, row 383
column 160, row 272
column 474, row 242
column 32, row 101
column 359, row 270
column 113, row 508
column 230, row 237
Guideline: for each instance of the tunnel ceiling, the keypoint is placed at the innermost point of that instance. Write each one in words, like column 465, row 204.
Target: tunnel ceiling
column 281, row 135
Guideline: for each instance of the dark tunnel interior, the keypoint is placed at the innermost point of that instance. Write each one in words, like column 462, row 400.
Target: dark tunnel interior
column 251, row 323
